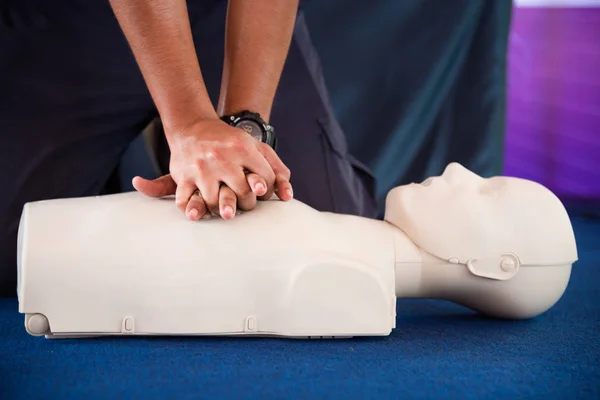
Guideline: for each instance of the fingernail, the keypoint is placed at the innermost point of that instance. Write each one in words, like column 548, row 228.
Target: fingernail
column 228, row 210
column 259, row 187
column 290, row 193
column 193, row 213
column 207, row 216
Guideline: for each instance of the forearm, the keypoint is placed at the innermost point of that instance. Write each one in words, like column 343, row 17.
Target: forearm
column 159, row 34
column 257, row 41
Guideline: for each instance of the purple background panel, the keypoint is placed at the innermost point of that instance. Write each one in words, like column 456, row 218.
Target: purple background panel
column 553, row 118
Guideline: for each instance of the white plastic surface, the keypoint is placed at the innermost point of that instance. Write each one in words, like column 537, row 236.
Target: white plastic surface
column 129, row 265
column 98, row 265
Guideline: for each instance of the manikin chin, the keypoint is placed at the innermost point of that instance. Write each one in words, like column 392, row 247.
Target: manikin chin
column 130, row 265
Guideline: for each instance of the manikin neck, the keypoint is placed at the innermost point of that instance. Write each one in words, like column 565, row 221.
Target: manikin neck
column 419, row 274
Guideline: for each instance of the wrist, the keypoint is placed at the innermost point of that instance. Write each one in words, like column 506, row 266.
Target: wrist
column 234, row 108
column 183, row 102
column 253, row 124
column 179, row 124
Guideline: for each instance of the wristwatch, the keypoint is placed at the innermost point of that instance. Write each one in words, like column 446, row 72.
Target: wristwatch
column 253, row 124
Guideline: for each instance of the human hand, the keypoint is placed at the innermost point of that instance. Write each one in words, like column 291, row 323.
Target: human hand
column 196, row 207
column 208, row 167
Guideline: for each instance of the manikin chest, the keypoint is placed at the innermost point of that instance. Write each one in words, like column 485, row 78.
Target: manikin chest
column 125, row 264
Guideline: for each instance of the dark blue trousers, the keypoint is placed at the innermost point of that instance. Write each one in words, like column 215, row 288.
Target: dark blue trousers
column 72, row 99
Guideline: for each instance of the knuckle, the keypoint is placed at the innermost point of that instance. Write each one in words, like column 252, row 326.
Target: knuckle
column 177, row 175
column 203, row 167
column 207, row 153
column 227, row 196
column 194, row 200
column 269, row 176
column 200, row 164
column 210, row 155
column 264, row 147
column 238, row 144
column 229, row 201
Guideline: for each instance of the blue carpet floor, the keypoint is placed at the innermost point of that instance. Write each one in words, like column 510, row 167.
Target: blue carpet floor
column 438, row 351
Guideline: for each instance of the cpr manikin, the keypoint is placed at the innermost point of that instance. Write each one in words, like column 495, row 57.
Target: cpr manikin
column 128, row 264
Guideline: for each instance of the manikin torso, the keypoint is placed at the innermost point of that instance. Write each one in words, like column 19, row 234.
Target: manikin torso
column 126, row 264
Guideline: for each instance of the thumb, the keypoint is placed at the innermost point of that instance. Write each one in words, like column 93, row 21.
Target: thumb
column 160, row 187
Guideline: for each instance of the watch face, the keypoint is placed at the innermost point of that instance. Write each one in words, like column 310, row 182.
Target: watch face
column 252, row 128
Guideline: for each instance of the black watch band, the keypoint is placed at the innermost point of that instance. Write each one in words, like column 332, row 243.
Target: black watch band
column 253, row 124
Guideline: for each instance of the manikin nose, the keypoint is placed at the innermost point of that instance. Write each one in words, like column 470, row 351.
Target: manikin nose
column 456, row 172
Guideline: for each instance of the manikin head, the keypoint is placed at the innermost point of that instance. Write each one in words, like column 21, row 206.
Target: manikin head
column 510, row 235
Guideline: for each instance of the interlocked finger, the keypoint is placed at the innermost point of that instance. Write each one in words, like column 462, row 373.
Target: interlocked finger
column 196, row 208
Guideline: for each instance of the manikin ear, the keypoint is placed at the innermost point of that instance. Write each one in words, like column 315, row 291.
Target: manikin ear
column 499, row 268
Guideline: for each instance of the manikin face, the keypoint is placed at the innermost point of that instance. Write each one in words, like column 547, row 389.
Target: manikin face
column 462, row 215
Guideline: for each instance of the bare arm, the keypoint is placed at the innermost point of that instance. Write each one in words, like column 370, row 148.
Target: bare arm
column 257, row 41
column 206, row 152
column 160, row 36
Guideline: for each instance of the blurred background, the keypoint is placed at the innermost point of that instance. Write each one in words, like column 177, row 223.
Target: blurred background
column 538, row 58
column 503, row 87
column 553, row 131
